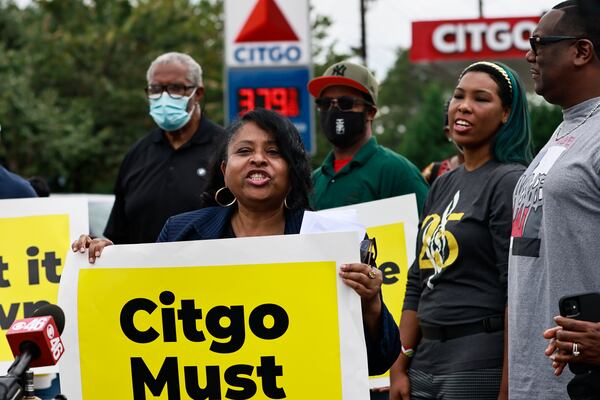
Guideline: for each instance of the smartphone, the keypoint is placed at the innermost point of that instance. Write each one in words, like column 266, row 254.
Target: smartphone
column 584, row 307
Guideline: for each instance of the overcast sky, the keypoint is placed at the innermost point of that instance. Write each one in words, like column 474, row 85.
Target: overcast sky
column 389, row 21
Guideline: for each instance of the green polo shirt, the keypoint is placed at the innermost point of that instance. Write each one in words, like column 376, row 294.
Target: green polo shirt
column 374, row 173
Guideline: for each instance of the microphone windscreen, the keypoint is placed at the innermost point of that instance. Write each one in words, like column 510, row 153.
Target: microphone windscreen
column 55, row 312
column 38, row 338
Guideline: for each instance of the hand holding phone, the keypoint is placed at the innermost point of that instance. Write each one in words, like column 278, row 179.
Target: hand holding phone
column 582, row 307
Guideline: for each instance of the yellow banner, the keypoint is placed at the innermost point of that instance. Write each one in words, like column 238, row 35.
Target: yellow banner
column 32, row 254
column 239, row 331
column 393, row 222
column 35, row 237
column 392, row 260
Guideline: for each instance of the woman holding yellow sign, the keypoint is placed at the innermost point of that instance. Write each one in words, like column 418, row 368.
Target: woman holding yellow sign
column 261, row 188
column 452, row 326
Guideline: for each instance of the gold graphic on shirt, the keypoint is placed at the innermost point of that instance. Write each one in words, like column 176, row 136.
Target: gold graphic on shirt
column 439, row 247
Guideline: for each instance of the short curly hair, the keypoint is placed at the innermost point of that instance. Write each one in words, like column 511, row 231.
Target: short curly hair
column 292, row 150
column 194, row 71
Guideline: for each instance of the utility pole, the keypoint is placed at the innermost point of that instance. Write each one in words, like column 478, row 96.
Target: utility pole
column 480, row 8
column 363, row 31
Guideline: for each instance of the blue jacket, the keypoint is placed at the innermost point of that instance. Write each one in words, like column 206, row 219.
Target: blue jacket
column 211, row 222
column 12, row 186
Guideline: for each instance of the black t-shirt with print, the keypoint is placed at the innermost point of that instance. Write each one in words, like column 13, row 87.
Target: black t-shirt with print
column 460, row 270
column 461, row 265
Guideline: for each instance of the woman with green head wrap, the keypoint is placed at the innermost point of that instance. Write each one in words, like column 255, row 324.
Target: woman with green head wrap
column 452, row 326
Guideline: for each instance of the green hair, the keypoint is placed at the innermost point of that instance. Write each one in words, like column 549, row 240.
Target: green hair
column 512, row 143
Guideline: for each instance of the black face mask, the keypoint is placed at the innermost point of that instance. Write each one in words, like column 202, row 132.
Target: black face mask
column 343, row 128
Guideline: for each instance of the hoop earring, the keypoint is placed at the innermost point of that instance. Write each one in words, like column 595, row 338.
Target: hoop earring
column 217, row 198
column 285, row 204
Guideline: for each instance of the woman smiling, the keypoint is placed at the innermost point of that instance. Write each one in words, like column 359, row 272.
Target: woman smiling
column 452, row 324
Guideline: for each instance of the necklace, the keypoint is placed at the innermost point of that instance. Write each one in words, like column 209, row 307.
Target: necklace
column 560, row 135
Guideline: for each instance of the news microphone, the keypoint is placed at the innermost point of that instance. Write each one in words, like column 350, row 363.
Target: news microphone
column 36, row 341
column 55, row 311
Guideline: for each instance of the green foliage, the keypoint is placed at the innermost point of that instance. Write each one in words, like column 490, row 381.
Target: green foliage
column 72, row 74
column 328, row 54
column 544, row 120
column 401, row 97
column 424, row 140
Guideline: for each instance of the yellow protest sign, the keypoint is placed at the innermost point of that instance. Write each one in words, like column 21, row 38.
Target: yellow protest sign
column 392, row 260
column 394, row 224
column 260, row 318
column 35, row 235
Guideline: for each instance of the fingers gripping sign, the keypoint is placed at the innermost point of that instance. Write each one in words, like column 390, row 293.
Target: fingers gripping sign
column 93, row 246
column 364, row 279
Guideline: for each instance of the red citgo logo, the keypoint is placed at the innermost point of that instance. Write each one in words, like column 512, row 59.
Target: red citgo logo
column 266, row 23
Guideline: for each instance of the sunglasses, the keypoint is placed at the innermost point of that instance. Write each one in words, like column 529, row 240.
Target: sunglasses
column 535, row 41
column 368, row 251
column 344, row 103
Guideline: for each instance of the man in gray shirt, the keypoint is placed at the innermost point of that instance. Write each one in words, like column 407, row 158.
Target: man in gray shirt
column 556, row 204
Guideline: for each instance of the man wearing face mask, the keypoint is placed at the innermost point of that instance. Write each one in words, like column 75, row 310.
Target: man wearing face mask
column 165, row 173
column 357, row 170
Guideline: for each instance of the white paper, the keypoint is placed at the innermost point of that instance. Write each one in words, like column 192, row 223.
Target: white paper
column 333, row 220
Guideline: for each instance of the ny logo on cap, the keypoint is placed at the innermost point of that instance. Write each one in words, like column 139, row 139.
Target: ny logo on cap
column 339, row 70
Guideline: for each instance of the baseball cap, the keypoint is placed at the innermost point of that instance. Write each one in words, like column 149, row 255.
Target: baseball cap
column 346, row 74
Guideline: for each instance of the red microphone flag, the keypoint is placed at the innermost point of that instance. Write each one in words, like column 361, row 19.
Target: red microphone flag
column 39, row 333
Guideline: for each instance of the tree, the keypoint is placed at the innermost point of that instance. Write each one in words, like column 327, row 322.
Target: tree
column 402, row 95
column 424, row 140
column 73, row 72
column 544, row 120
column 319, row 27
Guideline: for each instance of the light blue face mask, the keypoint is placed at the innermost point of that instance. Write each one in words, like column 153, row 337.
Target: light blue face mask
column 171, row 114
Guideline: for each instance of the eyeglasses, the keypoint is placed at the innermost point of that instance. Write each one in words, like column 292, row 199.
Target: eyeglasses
column 344, row 103
column 535, row 41
column 175, row 91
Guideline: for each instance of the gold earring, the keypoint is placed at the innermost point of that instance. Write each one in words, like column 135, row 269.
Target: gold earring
column 217, row 198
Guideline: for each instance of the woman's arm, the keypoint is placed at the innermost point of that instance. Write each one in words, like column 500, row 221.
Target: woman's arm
column 500, row 224
column 381, row 332
column 410, row 335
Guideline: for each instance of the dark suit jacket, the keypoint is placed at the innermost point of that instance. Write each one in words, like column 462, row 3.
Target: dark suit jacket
column 211, row 222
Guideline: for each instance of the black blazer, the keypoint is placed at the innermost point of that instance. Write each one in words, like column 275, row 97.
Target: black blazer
column 211, row 222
